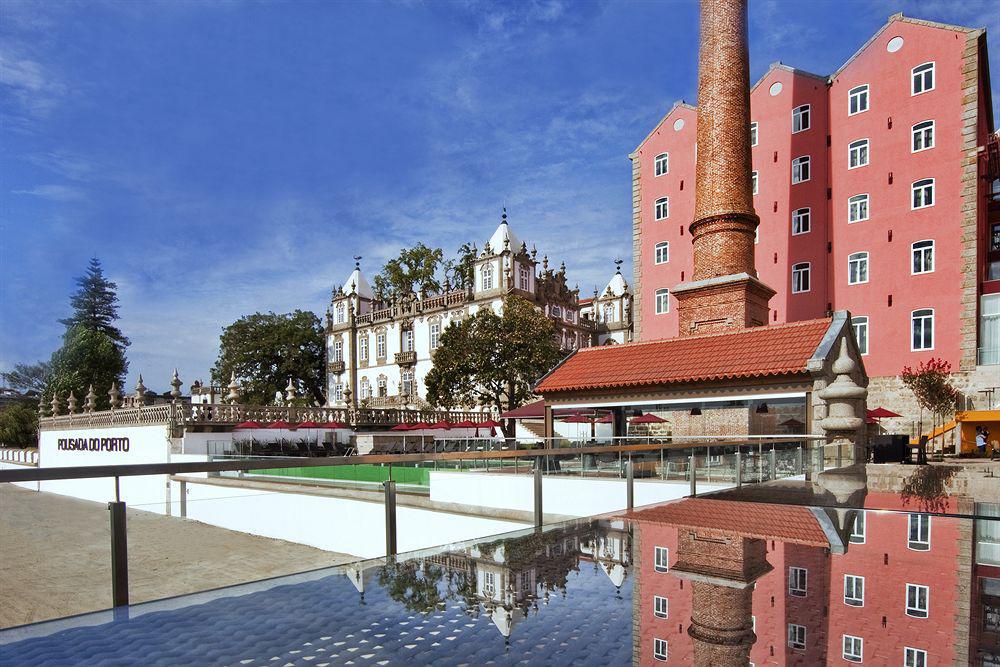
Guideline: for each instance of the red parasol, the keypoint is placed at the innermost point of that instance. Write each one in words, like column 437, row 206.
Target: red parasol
column 489, row 423
column 649, row 418
column 606, row 419
column 308, row 424
column 331, row 425
column 279, row 424
column 464, row 424
column 249, row 424
column 576, row 419
column 441, row 425
column 400, row 427
column 881, row 413
column 419, row 425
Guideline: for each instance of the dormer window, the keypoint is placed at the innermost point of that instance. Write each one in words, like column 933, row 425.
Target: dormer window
column 524, row 278
column 487, row 277
column 661, row 165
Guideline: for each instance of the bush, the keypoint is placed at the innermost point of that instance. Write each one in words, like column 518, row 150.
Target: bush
column 19, row 425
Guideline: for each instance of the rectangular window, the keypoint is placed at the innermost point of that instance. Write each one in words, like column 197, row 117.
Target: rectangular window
column 857, row 100
column 923, row 193
column 754, row 181
column 923, row 136
column 797, row 581
column 363, row 347
column 659, row 649
column 662, row 301
column 661, row 559
column 662, row 251
column 917, row 600
column 857, row 208
column 796, row 636
column 854, row 590
column 338, row 392
column 923, row 257
column 800, row 277
column 662, row 208
column 380, row 346
column 801, row 221
column 660, row 606
column 922, row 329
column 800, row 118
column 524, row 276
column 857, row 268
column 858, row 532
column 487, row 277
column 919, row 532
column 661, row 165
column 857, row 154
column 914, row 657
column 435, row 335
column 753, row 134
column 923, row 79
column 860, row 324
column 853, row 648
column 338, row 351
column 800, row 169
column 407, row 377
column 407, row 342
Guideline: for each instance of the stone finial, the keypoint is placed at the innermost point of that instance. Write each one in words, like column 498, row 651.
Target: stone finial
column 524, row 248
column 91, row 402
column 534, row 251
column 234, row 389
column 175, row 383
column 447, row 285
column 545, row 262
column 347, row 395
column 487, row 250
column 41, row 409
column 842, row 395
column 114, row 396
column 290, row 391
column 55, row 403
column 71, row 403
column 562, row 267
column 140, row 392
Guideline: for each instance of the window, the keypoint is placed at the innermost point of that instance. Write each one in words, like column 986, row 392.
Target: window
column 661, row 165
column 797, row 581
column 406, row 343
column 800, row 277
column 382, row 387
column 435, row 334
column 489, row 584
column 524, row 278
column 407, row 383
column 380, row 346
column 660, row 649
column 854, row 590
column 366, row 388
column 857, row 268
column 800, row 118
column 801, row 221
column 857, row 154
column 660, row 606
column 754, row 181
column 923, row 257
column 857, row 208
column 923, row 79
column 662, row 252
column 860, row 324
column 753, row 134
column 857, row 100
column 338, row 351
column 916, row 600
column 363, row 347
column 914, row 657
column 923, row 136
column 662, row 208
column 858, row 532
column 338, row 392
column 609, row 312
column 661, row 559
column 341, row 316
column 796, row 636
column 922, row 329
column 555, row 311
column 923, row 193
column 662, row 301
column 853, row 648
column 920, row 532
column 487, row 277
column 800, row 169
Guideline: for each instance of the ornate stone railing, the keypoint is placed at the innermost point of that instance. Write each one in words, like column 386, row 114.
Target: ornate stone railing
column 411, row 308
column 408, row 357
column 21, row 455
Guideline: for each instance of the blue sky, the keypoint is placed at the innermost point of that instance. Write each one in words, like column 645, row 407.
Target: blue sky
column 227, row 157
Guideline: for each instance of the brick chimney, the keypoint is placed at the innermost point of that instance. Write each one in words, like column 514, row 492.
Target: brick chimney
column 724, row 293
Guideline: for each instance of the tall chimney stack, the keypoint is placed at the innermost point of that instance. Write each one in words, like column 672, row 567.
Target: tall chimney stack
column 724, row 293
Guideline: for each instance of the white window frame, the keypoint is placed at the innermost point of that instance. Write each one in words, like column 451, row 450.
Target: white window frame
column 851, row 584
column 363, row 347
column 524, row 276
column 661, row 559
column 661, row 208
column 856, row 206
column 919, row 131
column 341, row 313
column 380, row 346
column 435, row 334
column 861, row 323
column 856, row 646
column 925, row 68
column 856, row 536
column 755, row 181
column 659, row 649
column 922, row 522
column 798, row 113
column 487, row 277
column 406, row 340
column 799, row 270
column 861, row 260
column 337, row 353
column 661, row 252
column 918, row 611
column 798, row 581
column 924, row 318
column 661, row 606
column 754, row 133
column 801, row 165
column 798, row 216
column 858, row 153
column 863, row 94
column 796, row 636
column 662, row 301
column 924, row 251
column 925, row 185
column 914, row 657
column 338, row 392
column 661, row 164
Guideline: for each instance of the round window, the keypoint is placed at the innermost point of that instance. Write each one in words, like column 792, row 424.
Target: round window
column 678, row 125
column 775, row 88
column 895, row 44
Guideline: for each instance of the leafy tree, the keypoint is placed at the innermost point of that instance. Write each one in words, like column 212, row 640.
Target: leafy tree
column 18, row 425
column 931, row 384
column 95, row 305
column 87, row 357
column 415, row 585
column 28, row 377
column 265, row 350
column 493, row 360
column 460, row 271
column 414, row 268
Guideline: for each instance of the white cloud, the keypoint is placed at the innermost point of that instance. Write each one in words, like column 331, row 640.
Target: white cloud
column 54, row 192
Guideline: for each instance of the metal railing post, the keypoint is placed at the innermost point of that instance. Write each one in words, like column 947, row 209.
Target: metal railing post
column 119, row 551
column 390, row 517
column 629, row 485
column 739, row 468
column 184, row 499
column 798, row 460
column 538, row 494
column 691, row 473
column 774, row 462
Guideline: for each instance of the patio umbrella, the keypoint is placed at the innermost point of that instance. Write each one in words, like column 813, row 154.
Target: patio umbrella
column 441, row 425
column 400, row 427
column 331, row 425
column 792, row 422
column 576, row 419
column 279, row 424
column 606, row 419
column 420, row 425
column 308, row 424
column 490, row 424
column 648, row 418
column 881, row 413
column 464, row 424
column 249, row 424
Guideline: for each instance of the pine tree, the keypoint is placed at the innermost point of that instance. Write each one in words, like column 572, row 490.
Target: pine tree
column 95, row 305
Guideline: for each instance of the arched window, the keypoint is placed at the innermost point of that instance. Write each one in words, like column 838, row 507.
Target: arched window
column 382, row 386
column 857, row 100
column 662, row 208
column 800, row 118
column 524, row 278
column 923, row 136
column 923, row 79
column 662, row 301
column 923, row 257
column 662, row 251
column 923, row 193
column 801, row 221
column 341, row 313
column 800, row 277
column 857, row 268
column 366, row 388
column 800, row 169
column 922, row 329
column 609, row 312
column 857, row 208
column 662, row 164
column 857, row 154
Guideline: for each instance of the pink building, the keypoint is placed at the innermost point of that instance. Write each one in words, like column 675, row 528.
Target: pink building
column 873, row 187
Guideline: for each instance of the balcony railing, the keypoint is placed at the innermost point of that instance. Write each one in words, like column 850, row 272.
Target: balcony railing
column 409, row 357
column 335, row 367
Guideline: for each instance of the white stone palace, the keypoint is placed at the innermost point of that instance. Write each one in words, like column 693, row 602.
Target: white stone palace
column 379, row 351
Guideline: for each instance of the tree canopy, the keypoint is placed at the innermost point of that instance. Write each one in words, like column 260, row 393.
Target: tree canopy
column 493, row 360
column 95, row 304
column 460, row 270
column 265, row 350
column 87, row 357
column 28, row 377
column 414, row 268
column 18, row 425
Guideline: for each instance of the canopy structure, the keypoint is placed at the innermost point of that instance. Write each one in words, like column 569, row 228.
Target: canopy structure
column 881, row 413
column 576, row 419
column 279, row 424
column 308, row 424
column 400, row 427
column 441, row 425
column 534, row 410
column 331, row 425
column 649, row 418
column 248, row 425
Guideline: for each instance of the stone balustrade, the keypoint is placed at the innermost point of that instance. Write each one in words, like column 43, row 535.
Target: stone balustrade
column 22, row 455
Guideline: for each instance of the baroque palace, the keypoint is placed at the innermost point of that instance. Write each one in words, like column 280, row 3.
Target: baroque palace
column 380, row 351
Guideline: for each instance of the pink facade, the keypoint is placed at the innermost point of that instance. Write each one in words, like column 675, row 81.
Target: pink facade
column 884, row 287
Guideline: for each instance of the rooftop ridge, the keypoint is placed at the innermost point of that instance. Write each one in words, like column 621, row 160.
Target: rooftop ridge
column 678, row 104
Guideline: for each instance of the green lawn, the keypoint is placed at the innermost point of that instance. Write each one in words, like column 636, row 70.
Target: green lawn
column 355, row 473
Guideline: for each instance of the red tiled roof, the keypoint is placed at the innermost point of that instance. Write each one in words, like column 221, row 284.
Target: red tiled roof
column 756, row 352
column 787, row 523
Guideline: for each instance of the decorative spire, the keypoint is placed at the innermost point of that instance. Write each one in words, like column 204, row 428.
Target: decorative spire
column 545, row 262
column 71, row 403
column 175, row 382
column 357, row 262
column 41, row 409
column 140, row 392
column 234, row 389
column 55, row 404
column 503, row 218
column 114, row 396
column 618, row 265
column 290, row 392
column 534, row 251
column 91, row 403
column 562, row 267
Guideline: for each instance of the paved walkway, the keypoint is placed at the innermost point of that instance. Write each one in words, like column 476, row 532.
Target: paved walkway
column 55, row 556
